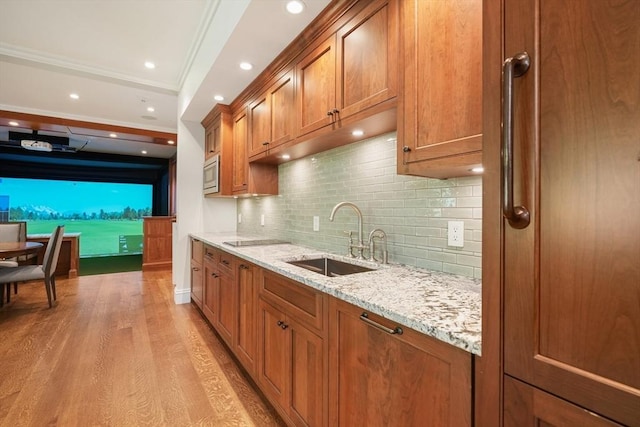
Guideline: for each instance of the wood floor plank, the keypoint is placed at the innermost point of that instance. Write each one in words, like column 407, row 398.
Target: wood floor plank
column 116, row 351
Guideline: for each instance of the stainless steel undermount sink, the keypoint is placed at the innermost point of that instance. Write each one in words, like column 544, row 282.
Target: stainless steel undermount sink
column 330, row 267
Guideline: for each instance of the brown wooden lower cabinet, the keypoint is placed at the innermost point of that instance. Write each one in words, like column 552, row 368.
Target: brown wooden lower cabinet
column 211, row 284
column 291, row 367
column 525, row 405
column 247, row 276
column 383, row 379
column 319, row 363
column 197, row 277
column 227, row 313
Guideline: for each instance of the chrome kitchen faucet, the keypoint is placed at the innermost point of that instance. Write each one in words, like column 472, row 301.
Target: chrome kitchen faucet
column 361, row 245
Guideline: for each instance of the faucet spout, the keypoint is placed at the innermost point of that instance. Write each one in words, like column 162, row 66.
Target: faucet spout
column 358, row 213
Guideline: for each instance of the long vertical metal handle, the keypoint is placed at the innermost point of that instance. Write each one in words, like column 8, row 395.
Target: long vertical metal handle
column 513, row 67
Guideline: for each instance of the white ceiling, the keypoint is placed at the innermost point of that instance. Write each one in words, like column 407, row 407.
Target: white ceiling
column 97, row 49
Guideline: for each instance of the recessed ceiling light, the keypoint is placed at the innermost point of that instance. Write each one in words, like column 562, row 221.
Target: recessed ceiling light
column 479, row 169
column 295, row 7
column 74, row 96
column 218, row 97
column 14, row 123
column 151, row 109
column 113, row 135
column 150, row 65
column 144, row 151
column 246, row 66
column 171, row 142
column 286, row 156
column 357, row 132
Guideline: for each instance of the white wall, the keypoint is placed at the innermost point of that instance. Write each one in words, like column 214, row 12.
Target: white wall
column 191, row 207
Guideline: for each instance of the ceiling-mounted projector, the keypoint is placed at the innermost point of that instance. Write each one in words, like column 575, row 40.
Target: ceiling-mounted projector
column 30, row 144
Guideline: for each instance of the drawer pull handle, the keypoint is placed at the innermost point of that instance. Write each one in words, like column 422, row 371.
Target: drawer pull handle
column 195, row 268
column 243, row 267
column 225, row 262
column 396, row 331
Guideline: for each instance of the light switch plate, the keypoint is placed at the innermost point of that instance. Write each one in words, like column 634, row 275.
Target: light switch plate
column 456, row 233
column 262, row 220
column 316, row 223
column 239, row 218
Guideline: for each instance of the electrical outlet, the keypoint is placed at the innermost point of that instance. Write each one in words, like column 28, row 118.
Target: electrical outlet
column 239, row 218
column 456, row 233
column 262, row 220
column 316, row 223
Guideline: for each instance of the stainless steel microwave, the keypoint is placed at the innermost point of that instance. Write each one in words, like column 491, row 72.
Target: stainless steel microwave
column 211, row 175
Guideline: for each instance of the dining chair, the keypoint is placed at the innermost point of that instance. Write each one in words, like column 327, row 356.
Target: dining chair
column 22, row 237
column 10, row 231
column 46, row 271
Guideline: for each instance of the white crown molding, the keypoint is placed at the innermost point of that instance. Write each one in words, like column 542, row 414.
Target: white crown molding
column 47, row 61
column 203, row 27
column 103, row 121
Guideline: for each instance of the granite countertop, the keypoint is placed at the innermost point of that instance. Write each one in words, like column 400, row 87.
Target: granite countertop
column 441, row 305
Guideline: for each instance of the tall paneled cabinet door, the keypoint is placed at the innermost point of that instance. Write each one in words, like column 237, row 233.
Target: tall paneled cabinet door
column 440, row 108
column 367, row 64
column 247, row 276
column 272, row 117
column 240, row 160
column 316, row 87
column 197, row 277
column 571, row 261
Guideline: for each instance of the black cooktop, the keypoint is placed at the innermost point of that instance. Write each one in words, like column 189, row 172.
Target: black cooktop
column 237, row 243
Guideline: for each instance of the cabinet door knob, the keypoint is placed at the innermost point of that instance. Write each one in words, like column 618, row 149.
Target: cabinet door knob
column 265, row 143
column 335, row 111
column 329, row 113
column 406, row 149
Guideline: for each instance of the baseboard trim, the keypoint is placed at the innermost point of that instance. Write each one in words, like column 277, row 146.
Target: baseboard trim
column 181, row 296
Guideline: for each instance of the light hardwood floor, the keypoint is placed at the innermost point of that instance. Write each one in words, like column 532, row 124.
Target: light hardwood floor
column 116, row 351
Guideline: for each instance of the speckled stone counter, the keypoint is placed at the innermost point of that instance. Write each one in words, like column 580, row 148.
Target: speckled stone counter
column 441, row 305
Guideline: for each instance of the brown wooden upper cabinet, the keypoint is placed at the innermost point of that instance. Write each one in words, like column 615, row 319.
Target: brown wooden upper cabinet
column 218, row 127
column 440, row 110
column 248, row 178
column 272, row 117
column 240, row 159
column 351, row 70
column 212, row 137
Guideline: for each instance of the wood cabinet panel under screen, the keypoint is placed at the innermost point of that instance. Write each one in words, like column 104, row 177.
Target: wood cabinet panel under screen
column 572, row 276
column 440, row 116
column 158, row 242
column 380, row 379
column 367, row 52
